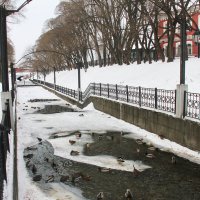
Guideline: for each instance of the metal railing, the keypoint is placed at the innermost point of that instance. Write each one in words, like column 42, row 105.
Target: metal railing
column 160, row 99
column 64, row 90
column 166, row 100
column 192, row 105
column 5, row 127
column 89, row 90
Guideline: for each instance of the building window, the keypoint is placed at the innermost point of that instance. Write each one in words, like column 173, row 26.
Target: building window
column 199, row 21
column 165, row 49
column 177, row 28
column 190, row 25
column 164, row 26
column 178, row 50
column 189, row 49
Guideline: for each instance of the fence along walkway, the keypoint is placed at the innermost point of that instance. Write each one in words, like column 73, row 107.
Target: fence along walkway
column 160, row 99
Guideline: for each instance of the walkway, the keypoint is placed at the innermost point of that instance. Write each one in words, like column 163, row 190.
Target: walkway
column 25, row 82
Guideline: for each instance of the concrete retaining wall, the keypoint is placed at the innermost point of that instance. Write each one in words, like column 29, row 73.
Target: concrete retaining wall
column 184, row 132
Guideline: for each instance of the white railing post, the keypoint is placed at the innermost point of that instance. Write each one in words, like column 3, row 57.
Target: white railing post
column 180, row 90
column 4, row 97
column 79, row 96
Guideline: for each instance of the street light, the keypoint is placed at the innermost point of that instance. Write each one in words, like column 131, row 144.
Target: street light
column 196, row 39
column 41, row 51
column 3, row 43
column 183, row 50
column 79, row 65
column 182, row 88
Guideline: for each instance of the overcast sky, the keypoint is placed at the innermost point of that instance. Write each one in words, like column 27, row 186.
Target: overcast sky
column 26, row 32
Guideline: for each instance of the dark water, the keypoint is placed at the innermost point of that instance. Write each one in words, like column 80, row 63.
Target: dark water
column 50, row 109
column 164, row 181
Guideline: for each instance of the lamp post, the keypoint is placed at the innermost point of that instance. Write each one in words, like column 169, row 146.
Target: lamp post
column 79, row 64
column 196, row 39
column 183, row 51
column 37, row 74
column 54, row 78
column 182, row 88
column 3, row 50
column 13, row 78
column 40, row 51
column 3, row 43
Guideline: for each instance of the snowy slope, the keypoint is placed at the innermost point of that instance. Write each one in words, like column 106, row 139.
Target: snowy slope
column 158, row 74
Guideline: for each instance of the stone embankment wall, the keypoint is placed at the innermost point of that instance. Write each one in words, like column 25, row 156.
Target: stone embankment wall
column 183, row 131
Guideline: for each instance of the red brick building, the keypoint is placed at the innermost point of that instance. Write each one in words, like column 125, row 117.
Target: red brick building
column 18, row 70
column 191, row 46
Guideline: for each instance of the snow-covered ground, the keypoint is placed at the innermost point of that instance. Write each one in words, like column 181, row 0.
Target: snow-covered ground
column 158, row 74
column 32, row 125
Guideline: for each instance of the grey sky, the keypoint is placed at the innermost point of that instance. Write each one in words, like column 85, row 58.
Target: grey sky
column 26, row 32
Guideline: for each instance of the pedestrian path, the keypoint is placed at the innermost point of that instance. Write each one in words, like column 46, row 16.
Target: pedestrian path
column 24, row 83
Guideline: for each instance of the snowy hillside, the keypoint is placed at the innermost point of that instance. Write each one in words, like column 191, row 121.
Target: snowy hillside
column 160, row 75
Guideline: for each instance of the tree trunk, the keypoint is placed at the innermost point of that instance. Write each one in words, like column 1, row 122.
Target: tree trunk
column 138, row 53
column 170, row 48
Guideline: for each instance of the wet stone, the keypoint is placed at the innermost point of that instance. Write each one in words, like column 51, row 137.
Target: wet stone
column 42, row 100
column 28, row 156
column 31, row 148
column 64, row 178
column 49, row 127
column 51, row 109
column 63, row 134
column 39, row 120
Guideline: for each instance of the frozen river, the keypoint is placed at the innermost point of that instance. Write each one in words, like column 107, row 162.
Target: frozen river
column 49, row 169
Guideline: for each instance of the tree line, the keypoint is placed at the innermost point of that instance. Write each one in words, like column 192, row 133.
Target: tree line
column 109, row 32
